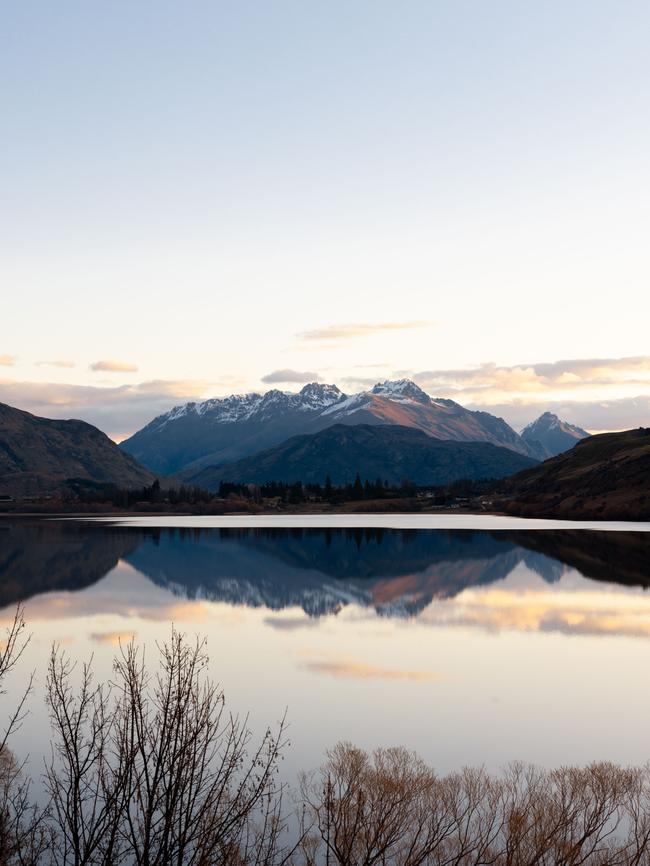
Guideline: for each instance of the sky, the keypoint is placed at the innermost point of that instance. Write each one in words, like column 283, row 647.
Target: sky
column 216, row 197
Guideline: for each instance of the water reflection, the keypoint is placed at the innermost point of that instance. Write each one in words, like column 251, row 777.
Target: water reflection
column 470, row 646
column 398, row 573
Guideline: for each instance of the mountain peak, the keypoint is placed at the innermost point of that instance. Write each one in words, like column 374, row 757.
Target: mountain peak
column 549, row 420
column 316, row 395
column 552, row 435
column 404, row 388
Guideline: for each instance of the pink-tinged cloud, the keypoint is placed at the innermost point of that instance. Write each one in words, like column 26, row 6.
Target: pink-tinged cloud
column 118, row 410
column 63, row 364
column 360, row 670
column 295, row 377
column 358, row 329
column 113, row 638
column 7, row 360
column 113, row 367
column 529, row 379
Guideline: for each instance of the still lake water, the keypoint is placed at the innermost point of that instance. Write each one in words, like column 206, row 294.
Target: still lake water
column 477, row 642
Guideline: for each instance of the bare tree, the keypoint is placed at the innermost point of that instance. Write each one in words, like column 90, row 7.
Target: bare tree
column 151, row 769
column 22, row 831
column 387, row 807
column 86, row 776
column 154, row 769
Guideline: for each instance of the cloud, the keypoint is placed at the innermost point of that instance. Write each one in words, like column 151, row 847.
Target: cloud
column 113, row 638
column 360, row 383
column 119, row 410
column 539, row 377
column 291, row 623
column 360, row 670
column 586, row 391
column 352, row 331
column 113, row 367
column 593, row 415
column 64, row 364
column 7, row 360
column 294, row 376
column 615, row 612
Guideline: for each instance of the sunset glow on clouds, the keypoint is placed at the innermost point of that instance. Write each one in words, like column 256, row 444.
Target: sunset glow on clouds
column 595, row 393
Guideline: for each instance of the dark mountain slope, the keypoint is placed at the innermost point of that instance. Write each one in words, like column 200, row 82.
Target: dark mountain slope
column 605, row 476
column 37, row 455
column 389, row 452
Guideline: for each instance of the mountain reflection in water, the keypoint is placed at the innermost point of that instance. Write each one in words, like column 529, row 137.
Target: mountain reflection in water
column 398, row 573
column 471, row 647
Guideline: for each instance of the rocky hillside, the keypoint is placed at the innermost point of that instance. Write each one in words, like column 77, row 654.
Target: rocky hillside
column 38, row 455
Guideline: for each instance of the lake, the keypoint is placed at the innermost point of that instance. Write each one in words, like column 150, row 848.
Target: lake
column 473, row 640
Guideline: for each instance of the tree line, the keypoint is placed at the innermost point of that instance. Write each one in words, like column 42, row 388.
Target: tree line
column 298, row 491
column 153, row 768
column 292, row 493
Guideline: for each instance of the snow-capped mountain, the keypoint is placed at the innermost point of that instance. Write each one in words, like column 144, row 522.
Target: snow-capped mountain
column 551, row 435
column 195, row 435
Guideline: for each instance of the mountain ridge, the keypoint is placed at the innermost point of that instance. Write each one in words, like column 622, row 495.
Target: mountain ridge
column 194, row 435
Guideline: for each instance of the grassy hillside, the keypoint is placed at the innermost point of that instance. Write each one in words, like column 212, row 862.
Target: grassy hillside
column 37, row 455
column 605, row 476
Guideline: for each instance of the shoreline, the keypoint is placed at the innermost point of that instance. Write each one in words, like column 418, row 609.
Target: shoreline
column 467, row 521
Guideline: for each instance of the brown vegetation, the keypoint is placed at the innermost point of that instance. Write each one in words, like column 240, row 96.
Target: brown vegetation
column 604, row 477
column 151, row 769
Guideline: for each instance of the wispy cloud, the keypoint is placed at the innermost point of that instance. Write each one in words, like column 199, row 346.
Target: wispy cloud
column 290, row 376
column 7, row 360
column 113, row 367
column 360, row 670
column 292, row 623
column 112, row 638
column 358, row 329
column 64, row 364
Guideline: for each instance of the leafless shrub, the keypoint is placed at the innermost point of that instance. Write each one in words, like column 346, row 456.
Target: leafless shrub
column 389, row 807
column 369, row 809
column 22, row 831
column 154, row 770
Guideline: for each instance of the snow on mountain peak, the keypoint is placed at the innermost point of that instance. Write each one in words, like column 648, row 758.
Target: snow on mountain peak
column 401, row 388
column 316, row 396
column 546, row 421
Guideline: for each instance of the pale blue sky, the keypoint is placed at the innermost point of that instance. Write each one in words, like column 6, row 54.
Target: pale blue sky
column 188, row 188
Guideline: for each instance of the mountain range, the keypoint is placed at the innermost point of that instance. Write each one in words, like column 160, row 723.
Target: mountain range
column 390, row 452
column 394, row 431
column 38, row 455
column 193, row 436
